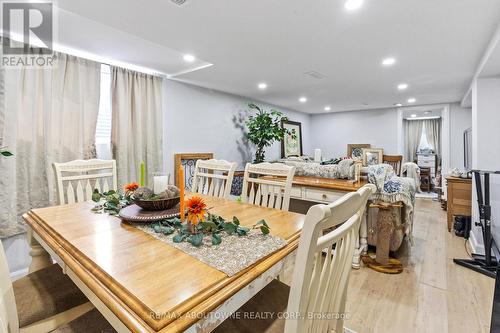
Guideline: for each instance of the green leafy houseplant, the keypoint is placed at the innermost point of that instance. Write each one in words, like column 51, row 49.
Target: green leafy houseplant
column 264, row 128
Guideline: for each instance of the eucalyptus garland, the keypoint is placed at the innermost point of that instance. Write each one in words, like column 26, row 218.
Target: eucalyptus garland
column 111, row 202
column 213, row 226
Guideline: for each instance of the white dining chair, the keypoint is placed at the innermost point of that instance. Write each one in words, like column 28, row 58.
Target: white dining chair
column 40, row 301
column 315, row 302
column 268, row 185
column 76, row 180
column 213, row 177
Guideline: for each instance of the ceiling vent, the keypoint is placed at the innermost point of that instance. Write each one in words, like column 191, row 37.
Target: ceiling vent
column 179, row 2
column 315, row 75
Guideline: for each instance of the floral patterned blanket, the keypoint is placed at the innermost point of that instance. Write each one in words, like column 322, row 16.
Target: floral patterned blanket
column 391, row 188
column 344, row 170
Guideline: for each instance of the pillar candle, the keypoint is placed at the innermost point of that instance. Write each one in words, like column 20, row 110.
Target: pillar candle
column 317, row 155
column 181, row 190
column 143, row 169
column 160, row 184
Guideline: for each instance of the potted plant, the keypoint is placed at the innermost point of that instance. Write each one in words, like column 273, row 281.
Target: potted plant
column 264, row 128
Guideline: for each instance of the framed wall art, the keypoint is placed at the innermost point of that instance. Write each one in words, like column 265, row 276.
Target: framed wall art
column 292, row 143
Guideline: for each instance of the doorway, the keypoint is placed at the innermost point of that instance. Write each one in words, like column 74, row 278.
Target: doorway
column 423, row 138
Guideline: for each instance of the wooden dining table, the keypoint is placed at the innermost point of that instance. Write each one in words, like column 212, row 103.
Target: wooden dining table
column 141, row 284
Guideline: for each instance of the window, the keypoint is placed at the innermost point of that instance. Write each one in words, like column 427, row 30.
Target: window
column 424, row 143
column 103, row 128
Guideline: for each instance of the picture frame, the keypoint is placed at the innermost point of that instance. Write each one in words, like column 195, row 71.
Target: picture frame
column 290, row 146
column 372, row 156
column 188, row 161
column 355, row 150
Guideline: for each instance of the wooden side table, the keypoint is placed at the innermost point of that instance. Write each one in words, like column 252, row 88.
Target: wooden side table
column 459, row 198
column 386, row 224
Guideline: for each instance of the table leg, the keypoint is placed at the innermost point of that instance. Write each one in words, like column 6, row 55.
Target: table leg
column 361, row 242
column 39, row 257
column 385, row 228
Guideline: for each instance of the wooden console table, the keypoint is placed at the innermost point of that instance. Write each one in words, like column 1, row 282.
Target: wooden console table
column 459, row 198
column 323, row 190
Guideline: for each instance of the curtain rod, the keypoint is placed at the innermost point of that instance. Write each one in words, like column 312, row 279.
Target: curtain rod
column 423, row 118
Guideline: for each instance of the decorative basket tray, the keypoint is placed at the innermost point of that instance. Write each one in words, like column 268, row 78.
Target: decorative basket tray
column 134, row 213
column 161, row 204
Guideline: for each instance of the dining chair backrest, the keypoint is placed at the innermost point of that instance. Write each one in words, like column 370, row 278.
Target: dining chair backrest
column 323, row 263
column 213, row 177
column 268, row 185
column 395, row 161
column 76, row 180
column 9, row 322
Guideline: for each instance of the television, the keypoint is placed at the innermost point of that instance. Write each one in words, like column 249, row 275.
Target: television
column 468, row 149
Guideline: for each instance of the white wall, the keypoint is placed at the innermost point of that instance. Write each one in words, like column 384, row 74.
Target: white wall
column 460, row 120
column 332, row 132
column 486, row 149
column 201, row 120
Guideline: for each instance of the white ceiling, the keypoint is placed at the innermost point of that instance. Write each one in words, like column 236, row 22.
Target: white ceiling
column 437, row 44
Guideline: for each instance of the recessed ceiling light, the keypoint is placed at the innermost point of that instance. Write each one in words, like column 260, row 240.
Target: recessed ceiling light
column 411, row 100
column 402, row 86
column 327, row 108
column 353, row 4
column 388, row 61
column 398, row 104
column 302, row 99
column 427, row 112
column 413, row 116
column 262, row 86
column 189, row 58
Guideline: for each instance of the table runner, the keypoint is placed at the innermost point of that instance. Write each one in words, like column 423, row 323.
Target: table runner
column 233, row 255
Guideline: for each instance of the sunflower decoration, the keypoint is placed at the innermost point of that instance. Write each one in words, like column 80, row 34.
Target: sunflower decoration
column 197, row 209
column 131, row 187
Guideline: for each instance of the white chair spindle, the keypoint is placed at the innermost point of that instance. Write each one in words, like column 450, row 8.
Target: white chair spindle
column 201, row 188
column 252, row 193
column 79, row 192
column 265, row 195
column 272, row 196
column 97, row 185
column 70, row 193
column 258, row 195
column 88, row 191
column 105, row 186
column 277, row 204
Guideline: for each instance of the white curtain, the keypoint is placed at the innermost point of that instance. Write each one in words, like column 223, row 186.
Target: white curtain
column 433, row 131
column 413, row 133
column 136, row 133
column 52, row 115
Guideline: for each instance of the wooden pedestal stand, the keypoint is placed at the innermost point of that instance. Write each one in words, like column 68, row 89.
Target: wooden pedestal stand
column 386, row 221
